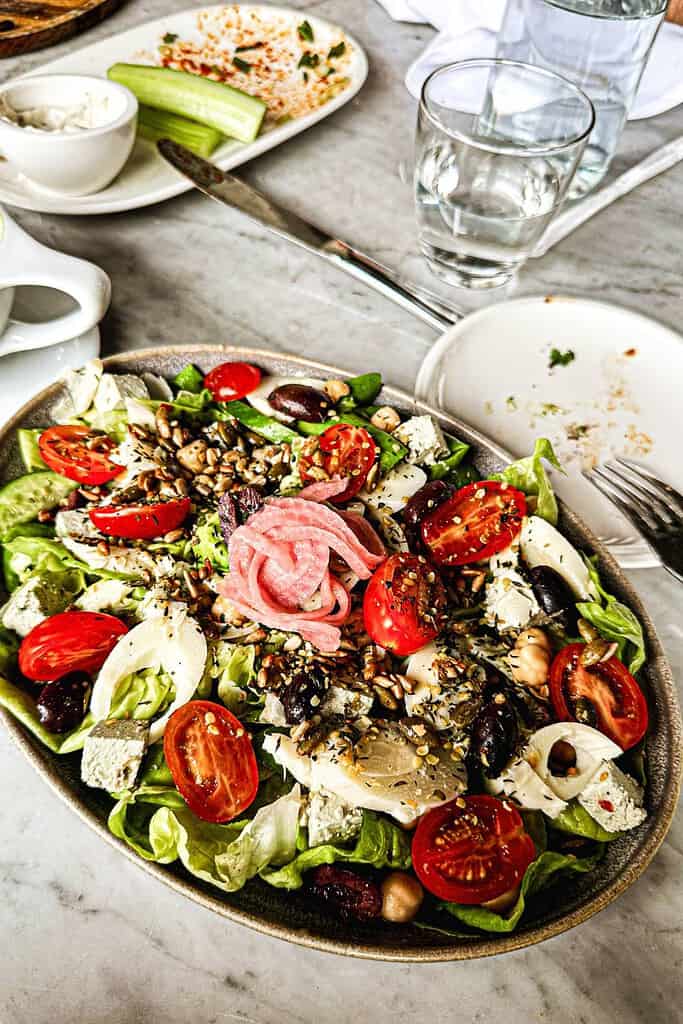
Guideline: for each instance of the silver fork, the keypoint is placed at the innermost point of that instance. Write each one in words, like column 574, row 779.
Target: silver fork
column 654, row 508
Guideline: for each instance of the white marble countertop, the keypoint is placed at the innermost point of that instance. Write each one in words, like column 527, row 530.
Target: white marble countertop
column 89, row 937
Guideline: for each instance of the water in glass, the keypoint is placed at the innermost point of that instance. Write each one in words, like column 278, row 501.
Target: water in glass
column 601, row 45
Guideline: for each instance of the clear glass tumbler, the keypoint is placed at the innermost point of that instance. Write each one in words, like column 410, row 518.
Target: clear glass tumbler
column 600, row 45
column 497, row 145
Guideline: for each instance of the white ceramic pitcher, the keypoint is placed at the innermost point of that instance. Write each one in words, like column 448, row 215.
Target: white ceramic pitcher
column 23, row 261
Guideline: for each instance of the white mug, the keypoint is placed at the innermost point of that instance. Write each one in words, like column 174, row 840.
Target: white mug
column 23, row 261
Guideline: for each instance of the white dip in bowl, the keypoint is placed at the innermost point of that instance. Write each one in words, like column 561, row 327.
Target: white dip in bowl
column 68, row 134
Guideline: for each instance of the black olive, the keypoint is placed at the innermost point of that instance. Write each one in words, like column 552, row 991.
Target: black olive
column 235, row 507
column 494, row 735
column 301, row 402
column 562, row 757
column 419, row 506
column 554, row 596
column 352, row 896
column 62, row 703
column 303, row 695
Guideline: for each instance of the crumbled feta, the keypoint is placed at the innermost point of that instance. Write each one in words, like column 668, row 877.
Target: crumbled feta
column 76, row 524
column 395, row 489
column 129, row 561
column 521, row 784
column 613, row 799
column 331, row 820
column 136, row 456
column 273, row 712
column 31, row 603
column 424, row 439
column 347, row 703
column 106, row 595
column 112, row 754
column 114, row 388
column 509, row 600
column 81, row 386
column 389, row 529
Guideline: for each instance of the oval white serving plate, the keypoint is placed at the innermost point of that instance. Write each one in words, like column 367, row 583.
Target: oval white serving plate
column 618, row 395
column 146, row 178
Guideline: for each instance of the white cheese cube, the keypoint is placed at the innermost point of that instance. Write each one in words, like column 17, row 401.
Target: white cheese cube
column 424, row 439
column 613, row 799
column 395, row 489
column 76, row 523
column 31, row 603
column 114, row 388
column 331, row 820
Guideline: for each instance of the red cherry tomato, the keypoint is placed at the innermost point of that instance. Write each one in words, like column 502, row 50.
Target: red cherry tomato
column 471, row 853
column 347, row 451
column 65, row 450
column 140, row 522
column 231, row 381
column 610, row 691
column 69, row 642
column 404, row 604
column 211, row 759
column 477, row 521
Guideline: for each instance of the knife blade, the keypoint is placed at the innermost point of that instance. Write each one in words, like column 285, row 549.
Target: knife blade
column 231, row 191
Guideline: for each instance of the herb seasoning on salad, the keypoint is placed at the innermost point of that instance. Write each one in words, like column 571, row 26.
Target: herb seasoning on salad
column 287, row 626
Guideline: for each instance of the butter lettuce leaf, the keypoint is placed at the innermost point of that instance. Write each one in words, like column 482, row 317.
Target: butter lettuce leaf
column 529, row 476
column 576, row 820
column 380, row 844
column 614, row 621
column 544, row 871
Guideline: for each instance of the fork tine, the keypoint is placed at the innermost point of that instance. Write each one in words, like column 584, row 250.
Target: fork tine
column 631, row 513
column 647, row 513
column 643, row 490
column 658, row 486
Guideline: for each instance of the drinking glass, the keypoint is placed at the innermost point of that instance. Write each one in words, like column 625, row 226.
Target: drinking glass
column 497, row 145
column 600, row 45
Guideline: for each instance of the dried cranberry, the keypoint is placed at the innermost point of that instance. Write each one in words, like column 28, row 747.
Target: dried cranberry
column 235, row 508
column 62, row 703
column 353, row 897
column 422, row 502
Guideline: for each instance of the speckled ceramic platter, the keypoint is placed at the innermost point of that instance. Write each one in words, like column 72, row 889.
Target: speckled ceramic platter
column 292, row 916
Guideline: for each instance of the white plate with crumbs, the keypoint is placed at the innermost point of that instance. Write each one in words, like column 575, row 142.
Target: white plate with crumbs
column 303, row 67
column 595, row 379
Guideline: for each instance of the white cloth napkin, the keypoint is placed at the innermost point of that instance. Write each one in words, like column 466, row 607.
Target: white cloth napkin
column 468, row 28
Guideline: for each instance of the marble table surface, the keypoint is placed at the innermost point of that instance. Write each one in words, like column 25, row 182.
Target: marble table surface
column 86, row 936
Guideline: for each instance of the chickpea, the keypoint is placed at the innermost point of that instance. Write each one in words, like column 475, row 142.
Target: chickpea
column 530, row 659
column 402, row 897
column 503, row 902
column 386, row 418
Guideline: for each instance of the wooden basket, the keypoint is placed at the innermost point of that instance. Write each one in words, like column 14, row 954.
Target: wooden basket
column 32, row 24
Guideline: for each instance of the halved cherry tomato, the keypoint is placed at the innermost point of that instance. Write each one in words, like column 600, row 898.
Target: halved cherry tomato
column 404, row 604
column 140, row 522
column 471, row 853
column 231, row 381
column 69, row 642
column 211, row 759
column 347, row 451
column 608, row 692
column 65, row 450
column 477, row 521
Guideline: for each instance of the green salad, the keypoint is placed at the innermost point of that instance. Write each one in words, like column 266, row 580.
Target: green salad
column 298, row 639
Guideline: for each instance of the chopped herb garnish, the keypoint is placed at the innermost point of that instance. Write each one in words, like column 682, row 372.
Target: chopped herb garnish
column 330, row 71
column 241, row 65
column 252, row 46
column 169, row 38
column 309, row 60
column 305, row 31
column 511, row 403
column 305, row 76
column 337, row 51
column 558, row 358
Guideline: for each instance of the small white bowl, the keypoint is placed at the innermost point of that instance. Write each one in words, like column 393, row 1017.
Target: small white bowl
column 69, row 163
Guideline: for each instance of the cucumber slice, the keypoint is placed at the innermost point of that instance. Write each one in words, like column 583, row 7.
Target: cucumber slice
column 219, row 106
column 28, row 449
column 159, row 124
column 22, row 499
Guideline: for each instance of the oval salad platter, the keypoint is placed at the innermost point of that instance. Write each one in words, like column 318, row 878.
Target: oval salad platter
column 291, row 912
column 303, row 67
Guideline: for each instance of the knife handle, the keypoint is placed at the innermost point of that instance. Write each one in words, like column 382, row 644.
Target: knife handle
column 430, row 308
